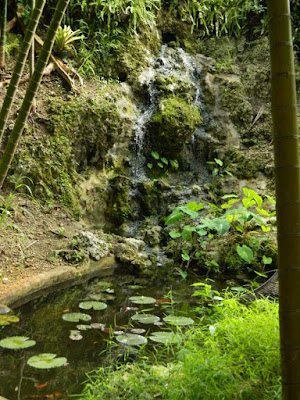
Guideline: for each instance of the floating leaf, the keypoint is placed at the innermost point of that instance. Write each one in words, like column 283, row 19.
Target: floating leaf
column 76, row 317
column 96, row 325
column 118, row 333
column 138, row 331
column 96, row 305
column 46, row 360
column 102, row 296
column 16, row 342
column 245, row 253
column 75, row 335
column 8, row 319
column 135, row 287
column 179, row 321
column 142, row 300
column 131, row 339
column 165, row 337
column 145, row 318
column 83, row 327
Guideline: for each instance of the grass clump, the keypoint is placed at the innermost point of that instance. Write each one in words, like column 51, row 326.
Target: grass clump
column 234, row 356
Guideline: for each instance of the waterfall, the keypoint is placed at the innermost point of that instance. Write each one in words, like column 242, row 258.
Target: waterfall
column 170, row 62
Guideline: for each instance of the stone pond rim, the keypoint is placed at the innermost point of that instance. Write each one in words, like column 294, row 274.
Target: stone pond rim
column 58, row 278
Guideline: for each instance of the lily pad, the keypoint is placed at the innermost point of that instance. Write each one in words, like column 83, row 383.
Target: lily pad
column 145, row 318
column 165, row 337
column 82, row 328
column 139, row 331
column 102, row 296
column 76, row 317
column 96, row 325
column 131, row 339
column 46, row 360
column 142, row 300
column 75, row 335
column 8, row 319
column 16, row 342
column 96, row 305
column 4, row 309
column 179, row 321
column 135, row 287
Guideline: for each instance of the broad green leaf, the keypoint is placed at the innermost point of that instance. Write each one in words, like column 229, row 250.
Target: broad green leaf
column 131, row 339
column 175, row 216
column 174, row 164
column 185, row 256
column 193, row 206
column 175, row 235
column 165, row 337
column 189, row 212
column 267, row 260
column 164, row 160
column 219, row 162
column 142, row 300
column 161, row 165
column 245, row 253
column 221, row 225
column 155, row 155
column 46, row 360
column 8, row 319
column 150, row 166
column 248, row 202
column 179, row 321
column 251, row 194
column 16, row 342
column 262, row 212
column 96, row 305
column 76, row 317
column 187, row 232
column 145, row 318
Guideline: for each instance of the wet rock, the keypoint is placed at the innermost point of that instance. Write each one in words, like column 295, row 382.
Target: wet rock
column 136, row 262
column 4, row 309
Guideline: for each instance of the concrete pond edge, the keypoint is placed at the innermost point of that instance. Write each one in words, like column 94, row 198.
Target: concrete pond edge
column 58, row 278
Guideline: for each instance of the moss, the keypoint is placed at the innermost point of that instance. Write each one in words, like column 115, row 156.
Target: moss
column 118, row 208
column 172, row 125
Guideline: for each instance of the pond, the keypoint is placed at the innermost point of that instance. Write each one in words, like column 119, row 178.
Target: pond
column 84, row 343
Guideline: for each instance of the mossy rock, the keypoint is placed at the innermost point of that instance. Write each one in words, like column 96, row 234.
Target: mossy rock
column 172, row 125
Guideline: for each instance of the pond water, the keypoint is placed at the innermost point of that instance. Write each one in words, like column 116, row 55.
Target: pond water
column 41, row 320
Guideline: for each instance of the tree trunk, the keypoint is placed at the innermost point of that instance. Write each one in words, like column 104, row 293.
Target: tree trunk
column 31, row 90
column 287, row 178
column 20, row 63
column 31, row 61
column 3, row 18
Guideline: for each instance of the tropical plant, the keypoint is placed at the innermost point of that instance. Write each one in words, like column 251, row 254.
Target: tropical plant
column 31, row 90
column 20, row 64
column 287, row 178
column 65, row 36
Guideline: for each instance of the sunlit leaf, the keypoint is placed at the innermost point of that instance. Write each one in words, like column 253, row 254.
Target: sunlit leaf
column 179, row 321
column 142, row 300
column 95, row 305
column 76, row 317
column 267, row 260
column 131, row 339
column 245, row 253
column 165, row 337
column 46, row 360
column 16, row 342
column 8, row 319
column 145, row 318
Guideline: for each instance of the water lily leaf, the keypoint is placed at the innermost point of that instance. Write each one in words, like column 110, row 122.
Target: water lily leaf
column 96, row 325
column 8, row 319
column 109, row 290
column 138, row 331
column 117, row 333
column 165, row 337
column 179, row 321
column 102, row 296
column 131, row 339
column 76, row 317
column 145, row 318
column 75, row 335
column 83, row 327
column 16, row 342
column 135, row 287
column 96, row 305
column 46, row 360
column 142, row 300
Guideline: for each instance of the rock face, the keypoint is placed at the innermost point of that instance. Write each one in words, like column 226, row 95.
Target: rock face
column 95, row 247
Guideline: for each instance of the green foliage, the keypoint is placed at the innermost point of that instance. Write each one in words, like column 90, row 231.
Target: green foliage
column 65, row 36
column 161, row 163
column 192, row 232
column 235, row 352
column 221, row 17
column 46, row 360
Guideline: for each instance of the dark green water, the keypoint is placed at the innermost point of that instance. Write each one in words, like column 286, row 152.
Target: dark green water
column 41, row 320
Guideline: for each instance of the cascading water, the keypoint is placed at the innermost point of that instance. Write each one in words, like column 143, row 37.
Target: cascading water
column 169, row 63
